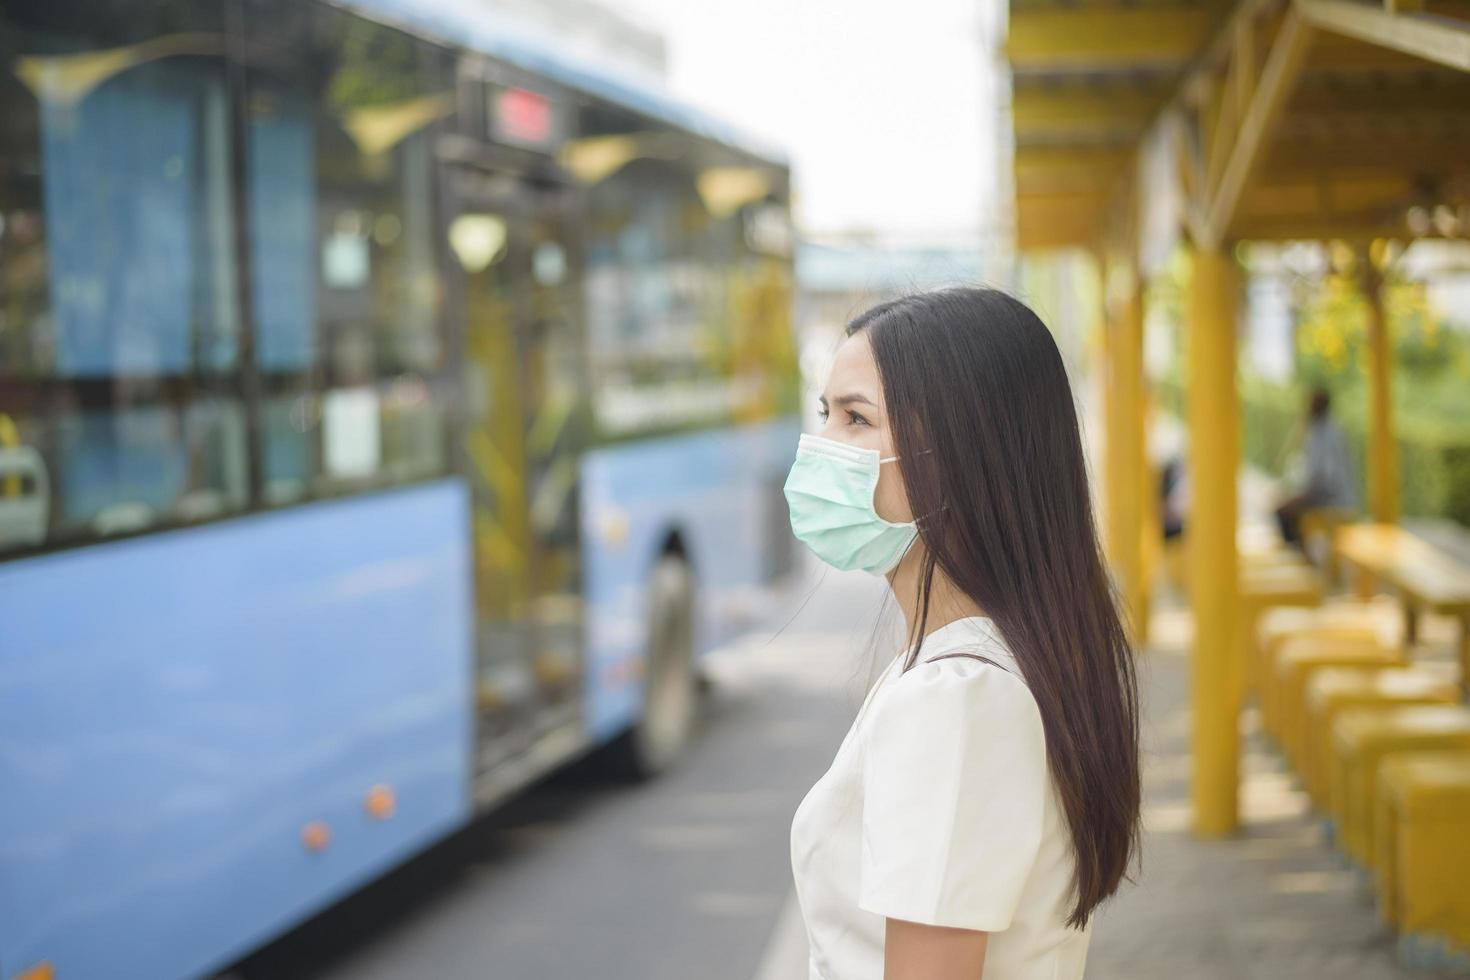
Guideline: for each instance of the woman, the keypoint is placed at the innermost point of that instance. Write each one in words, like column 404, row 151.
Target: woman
column 986, row 798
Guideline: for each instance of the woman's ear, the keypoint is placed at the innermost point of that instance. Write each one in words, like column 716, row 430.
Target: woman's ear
column 890, row 499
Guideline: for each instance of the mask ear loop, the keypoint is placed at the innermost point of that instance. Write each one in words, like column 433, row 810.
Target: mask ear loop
column 890, row 459
column 921, row 452
column 919, row 521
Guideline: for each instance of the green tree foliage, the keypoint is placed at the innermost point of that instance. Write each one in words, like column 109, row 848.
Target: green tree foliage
column 1430, row 385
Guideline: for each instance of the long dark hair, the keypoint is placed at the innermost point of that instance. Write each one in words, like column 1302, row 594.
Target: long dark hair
column 974, row 374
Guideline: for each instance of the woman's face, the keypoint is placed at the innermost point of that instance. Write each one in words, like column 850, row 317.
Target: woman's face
column 855, row 415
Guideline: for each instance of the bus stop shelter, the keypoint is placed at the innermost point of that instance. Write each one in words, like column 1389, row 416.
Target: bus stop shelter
column 1142, row 126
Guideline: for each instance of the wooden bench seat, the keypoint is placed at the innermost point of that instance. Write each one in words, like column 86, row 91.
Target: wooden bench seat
column 1333, row 689
column 1298, row 658
column 1361, row 739
column 1350, row 620
column 1422, row 853
column 1426, row 579
column 1263, row 586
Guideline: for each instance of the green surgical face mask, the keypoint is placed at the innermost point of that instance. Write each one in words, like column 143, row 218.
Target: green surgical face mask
column 830, row 496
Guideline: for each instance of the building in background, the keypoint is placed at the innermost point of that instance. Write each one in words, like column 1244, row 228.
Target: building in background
column 837, row 277
column 998, row 197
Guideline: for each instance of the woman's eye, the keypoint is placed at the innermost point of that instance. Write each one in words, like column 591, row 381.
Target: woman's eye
column 822, row 414
column 856, row 419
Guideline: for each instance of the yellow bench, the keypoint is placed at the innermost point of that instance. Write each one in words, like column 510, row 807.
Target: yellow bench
column 1350, row 620
column 1297, row 659
column 1332, row 689
column 1361, row 739
column 1270, row 585
column 1416, row 789
column 1379, row 616
column 1426, row 578
column 1422, row 853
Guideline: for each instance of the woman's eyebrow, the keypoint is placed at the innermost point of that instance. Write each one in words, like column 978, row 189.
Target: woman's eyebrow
column 852, row 398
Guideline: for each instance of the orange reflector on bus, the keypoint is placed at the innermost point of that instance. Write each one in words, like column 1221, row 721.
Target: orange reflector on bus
column 380, row 802
column 316, row 835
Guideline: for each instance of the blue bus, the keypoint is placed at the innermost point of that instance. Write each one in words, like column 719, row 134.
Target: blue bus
column 391, row 411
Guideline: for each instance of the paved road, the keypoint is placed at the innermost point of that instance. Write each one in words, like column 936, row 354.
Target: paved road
column 584, row 877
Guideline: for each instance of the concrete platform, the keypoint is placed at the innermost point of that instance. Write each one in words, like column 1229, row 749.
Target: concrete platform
column 1275, row 902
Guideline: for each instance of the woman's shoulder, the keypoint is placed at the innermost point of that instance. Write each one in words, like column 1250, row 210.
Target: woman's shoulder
column 983, row 683
column 956, row 720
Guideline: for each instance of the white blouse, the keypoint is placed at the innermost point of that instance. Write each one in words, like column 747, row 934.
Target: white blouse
column 939, row 807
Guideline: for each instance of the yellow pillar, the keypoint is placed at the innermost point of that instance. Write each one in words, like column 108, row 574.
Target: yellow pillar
column 1383, row 464
column 1123, row 466
column 1126, row 448
column 1151, row 530
column 1214, row 452
column 1112, row 470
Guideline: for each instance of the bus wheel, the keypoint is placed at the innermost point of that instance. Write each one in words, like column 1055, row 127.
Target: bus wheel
column 670, row 688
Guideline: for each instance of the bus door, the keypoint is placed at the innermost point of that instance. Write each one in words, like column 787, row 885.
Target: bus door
column 524, row 423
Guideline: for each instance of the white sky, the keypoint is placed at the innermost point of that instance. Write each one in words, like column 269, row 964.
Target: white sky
column 884, row 107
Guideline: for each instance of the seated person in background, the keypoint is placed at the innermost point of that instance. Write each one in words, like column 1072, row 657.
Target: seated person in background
column 1173, row 497
column 1327, row 469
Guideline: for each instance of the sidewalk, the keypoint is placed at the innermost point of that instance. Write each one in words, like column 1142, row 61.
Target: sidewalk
column 1273, row 902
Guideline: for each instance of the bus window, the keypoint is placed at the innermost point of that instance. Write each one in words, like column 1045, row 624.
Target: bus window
column 119, row 323
column 682, row 312
column 345, row 290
